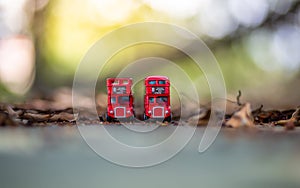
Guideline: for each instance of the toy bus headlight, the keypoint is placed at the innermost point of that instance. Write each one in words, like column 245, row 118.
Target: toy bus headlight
column 128, row 111
column 149, row 111
column 111, row 112
column 167, row 111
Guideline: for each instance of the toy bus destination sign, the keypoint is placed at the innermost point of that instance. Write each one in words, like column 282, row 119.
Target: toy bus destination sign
column 158, row 90
column 119, row 90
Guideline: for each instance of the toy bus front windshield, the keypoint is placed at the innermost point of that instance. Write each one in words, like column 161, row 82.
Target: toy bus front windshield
column 123, row 99
column 162, row 99
column 158, row 100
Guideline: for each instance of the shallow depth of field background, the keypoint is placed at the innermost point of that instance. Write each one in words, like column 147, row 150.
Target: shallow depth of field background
column 255, row 42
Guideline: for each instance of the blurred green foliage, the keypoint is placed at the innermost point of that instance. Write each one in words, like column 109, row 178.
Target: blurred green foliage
column 64, row 32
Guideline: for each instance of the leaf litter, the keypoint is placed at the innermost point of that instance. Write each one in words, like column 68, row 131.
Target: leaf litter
column 46, row 112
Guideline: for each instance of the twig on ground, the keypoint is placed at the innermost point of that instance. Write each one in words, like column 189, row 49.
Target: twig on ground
column 238, row 98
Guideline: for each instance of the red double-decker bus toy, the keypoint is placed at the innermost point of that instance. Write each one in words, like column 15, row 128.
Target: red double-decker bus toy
column 157, row 98
column 119, row 99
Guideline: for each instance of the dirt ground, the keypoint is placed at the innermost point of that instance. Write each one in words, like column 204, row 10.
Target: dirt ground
column 56, row 109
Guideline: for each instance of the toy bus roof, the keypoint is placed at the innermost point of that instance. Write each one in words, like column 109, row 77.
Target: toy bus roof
column 156, row 78
column 117, row 81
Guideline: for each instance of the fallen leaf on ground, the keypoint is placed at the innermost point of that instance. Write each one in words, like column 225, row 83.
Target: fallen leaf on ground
column 36, row 117
column 201, row 118
column 6, row 120
column 63, row 116
column 241, row 118
column 290, row 124
column 165, row 123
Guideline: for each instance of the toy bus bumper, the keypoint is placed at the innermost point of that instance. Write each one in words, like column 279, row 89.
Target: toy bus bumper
column 120, row 112
column 158, row 112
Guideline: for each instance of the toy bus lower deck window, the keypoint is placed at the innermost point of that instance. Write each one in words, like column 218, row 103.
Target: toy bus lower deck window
column 123, row 99
column 158, row 99
column 113, row 100
column 151, row 100
column 162, row 99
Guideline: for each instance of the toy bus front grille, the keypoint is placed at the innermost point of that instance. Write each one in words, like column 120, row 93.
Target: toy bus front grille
column 120, row 112
column 158, row 112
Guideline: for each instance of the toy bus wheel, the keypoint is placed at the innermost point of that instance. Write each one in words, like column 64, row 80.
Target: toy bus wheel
column 109, row 119
column 131, row 118
column 145, row 117
column 168, row 119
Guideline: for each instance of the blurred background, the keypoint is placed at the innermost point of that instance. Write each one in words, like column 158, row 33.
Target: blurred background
column 256, row 42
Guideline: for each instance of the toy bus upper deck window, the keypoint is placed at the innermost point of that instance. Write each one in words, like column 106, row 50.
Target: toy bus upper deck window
column 115, row 82
column 125, row 82
column 113, row 100
column 161, row 81
column 152, row 82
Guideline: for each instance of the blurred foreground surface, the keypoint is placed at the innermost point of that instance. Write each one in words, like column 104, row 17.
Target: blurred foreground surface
column 58, row 157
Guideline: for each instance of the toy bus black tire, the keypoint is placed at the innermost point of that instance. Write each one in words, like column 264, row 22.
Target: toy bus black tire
column 145, row 117
column 168, row 119
column 108, row 119
column 131, row 119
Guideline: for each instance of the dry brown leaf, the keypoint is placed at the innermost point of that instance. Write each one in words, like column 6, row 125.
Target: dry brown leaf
column 36, row 117
column 296, row 114
column 165, row 123
column 201, row 118
column 241, row 118
column 6, row 120
column 63, row 116
column 12, row 113
column 290, row 124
